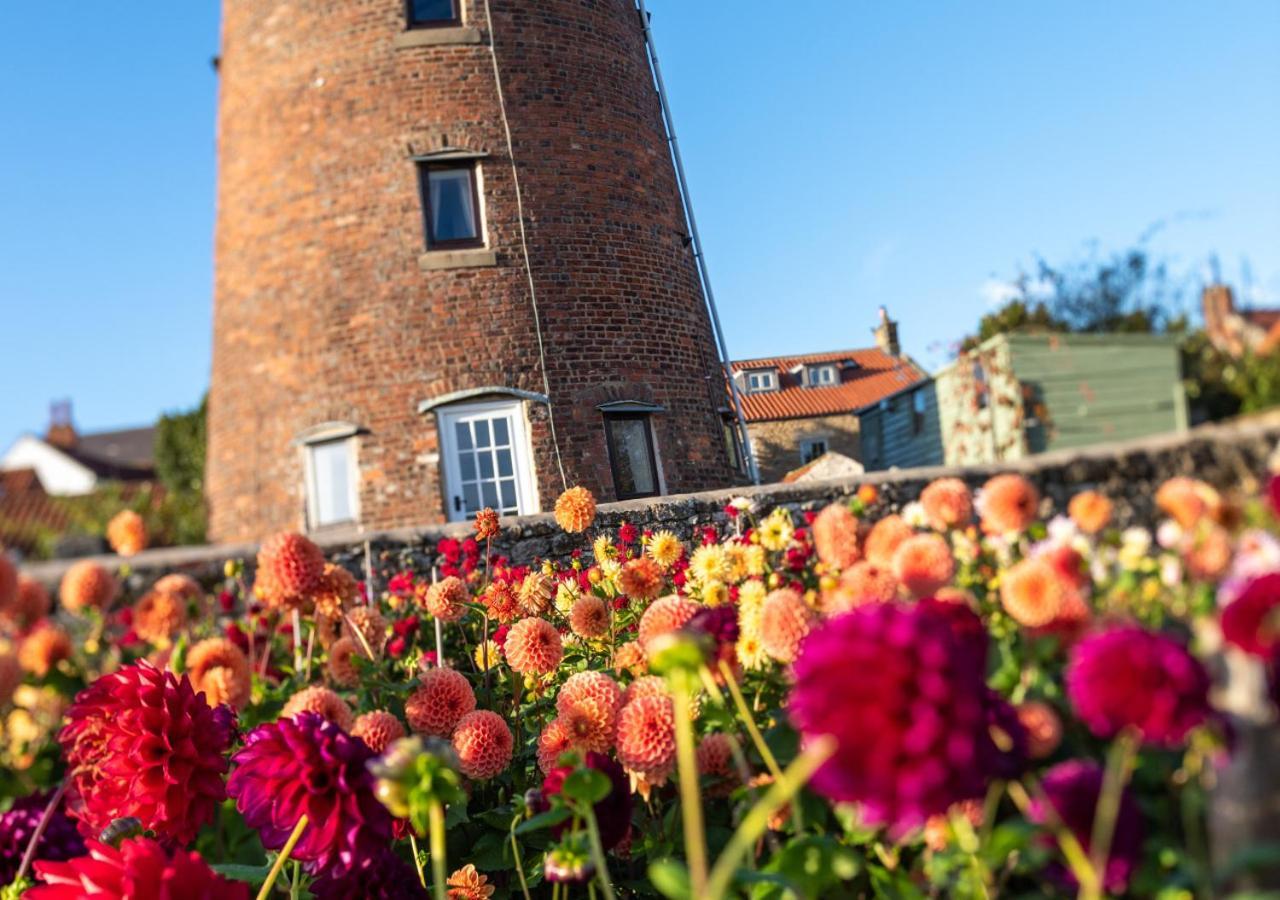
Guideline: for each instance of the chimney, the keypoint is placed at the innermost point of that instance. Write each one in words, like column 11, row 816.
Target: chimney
column 887, row 334
column 61, row 432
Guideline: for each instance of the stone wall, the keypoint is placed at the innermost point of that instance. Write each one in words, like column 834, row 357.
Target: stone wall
column 1233, row 457
column 776, row 445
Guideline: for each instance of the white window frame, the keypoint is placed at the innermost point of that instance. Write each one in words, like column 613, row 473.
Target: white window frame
column 820, row 376
column 807, row 445
column 761, row 381
column 522, row 456
column 339, row 436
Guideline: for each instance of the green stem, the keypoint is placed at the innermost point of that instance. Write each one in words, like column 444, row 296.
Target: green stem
column 597, row 852
column 749, row 722
column 282, row 858
column 417, row 858
column 967, row 840
column 295, row 889
column 1119, row 767
column 435, row 820
column 756, row 821
column 1077, row 859
column 695, row 838
column 515, row 853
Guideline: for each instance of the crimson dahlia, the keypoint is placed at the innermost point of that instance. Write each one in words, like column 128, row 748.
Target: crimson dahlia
column 1072, row 789
column 140, row 869
column 1251, row 621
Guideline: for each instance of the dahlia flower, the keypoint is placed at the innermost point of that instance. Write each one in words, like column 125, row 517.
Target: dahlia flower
column 785, row 619
column 836, row 536
column 383, row 876
column 1008, row 503
column 1127, row 677
column 140, row 869
column 715, row 763
column 336, row 590
column 321, row 701
column 884, row 538
column 484, row 744
column 486, row 524
column 1071, row 788
column 664, row 615
column 220, row 670
column 1043, row 727
column 30, row 603
column 1251, row 621
column 553, row 742
column 42, row 648
column 665, row 549
column 533, row 647
column 367, row 627
column 613, row 811
column 468, row 884
column 1091, row 511
column 158, row 616
column 863, row 582
column 378, row 729
column 587, row 706
column 629, row 658
column 536, row 591
column 923, row 563
column 646, row 737
column 1033, row 592
column 947, row 503
column 341, row 668
column 17, row 826
column 140, row 742
column 446, row 599
column 127, row 533
column 709, row 563
column 905, row 699
column 1188, row 500
column 641, row 578
column 307, row 765
column 502, row 602
column 442, row 698
column 575, row 510
column 87, row 585
column 289, row 569
column 776, row 531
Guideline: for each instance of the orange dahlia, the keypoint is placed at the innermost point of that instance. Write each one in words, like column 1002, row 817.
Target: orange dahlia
column 588, row 705
column 1033, row 592
column 182, row 586
column 923, row 564
column 715, row 763
column 1187, row 500
column 536, row 591
column 641, row 578
column 1090, row 510
column 646, row 686
column 785, row 619
column 502, row 602
column 43, row 648
column 446, row 599
column 158, row 616
column 630, row 658
column 486, row 524
column 87, row 585
column 947, row 503
column 220, row 670
column 377, row 729
column 863, row 582
column 484, row 744
column 664, row 615
column 323, row 702
column 1008, row 503
column 836, row 536
column 127, row 533
column 289, row 569
column 575, row 510
column 647, row 738
column 1209, row 553
column 553, row 742
column 341, row 666
column 468, row 884
column 533, row 647
column 884, row 539
column 367, row 627
column 442, row 698
column 336, row 590
column 30, row 605
column 1043, row 727
column 589, row 617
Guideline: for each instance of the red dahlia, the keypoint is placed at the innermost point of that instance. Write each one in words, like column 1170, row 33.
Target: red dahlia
column 309, row 765
column 140, row 869
column 141, row 742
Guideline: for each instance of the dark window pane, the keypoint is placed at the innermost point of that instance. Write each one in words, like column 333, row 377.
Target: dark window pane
column 633, row 465
column 424, row 11
column 471, row 499
column 467, row 462
column 490, row 493
column 500, row 436
column 486, row 465
column 464, row 435
column 508, row 494
column 452, row 202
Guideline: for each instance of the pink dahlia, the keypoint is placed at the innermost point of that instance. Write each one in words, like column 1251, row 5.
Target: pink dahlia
column 533, row 647
column 307, row 765
column 140, row 869
column 141, row 742
column 664, row 615
column 60, row 840
column 484, row 744
column 613, row 812
column 442, row 698
column 587, row 706
column 837, row 536
column 647, row 737
column 1251, row 621
column 1127, row 677
column 904, row 696
column 1072, row 789
column 290, row 568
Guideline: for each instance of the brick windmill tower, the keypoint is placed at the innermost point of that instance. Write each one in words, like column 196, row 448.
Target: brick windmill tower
column 394, row 343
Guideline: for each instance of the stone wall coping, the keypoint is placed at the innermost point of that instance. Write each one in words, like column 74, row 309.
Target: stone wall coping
column 702, row 505
column 438, row 37
column 435, row 260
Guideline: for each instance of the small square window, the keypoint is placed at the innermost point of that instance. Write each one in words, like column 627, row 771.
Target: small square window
column 811, row 449
column 432, row 13
column 631, row 456
column 451, row 205
column 821, row 376
column 760, row 381
column 331, row 494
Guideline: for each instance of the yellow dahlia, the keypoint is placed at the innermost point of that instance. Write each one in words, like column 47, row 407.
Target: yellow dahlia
column 776, row 530
column 665, row 548
column 709, row 563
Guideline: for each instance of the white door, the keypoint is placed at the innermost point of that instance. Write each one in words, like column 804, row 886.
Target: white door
column 487, row 459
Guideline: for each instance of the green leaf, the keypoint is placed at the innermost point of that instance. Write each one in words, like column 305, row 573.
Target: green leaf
column 671, row 878
column 239, row 872
column 587, row 786
column 543, row 820
column 455, row 814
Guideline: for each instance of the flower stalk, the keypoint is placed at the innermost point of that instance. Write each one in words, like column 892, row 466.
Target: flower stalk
column 294, row 837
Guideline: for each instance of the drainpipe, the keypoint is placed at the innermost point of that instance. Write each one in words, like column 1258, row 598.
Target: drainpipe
column 744, row 439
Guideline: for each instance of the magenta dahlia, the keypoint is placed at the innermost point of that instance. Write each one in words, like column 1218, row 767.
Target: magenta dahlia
column 1127, row 677
column 309, row 765
column 381, row 877
column 904, row 697
column 141, row 869
column 1252, row 621
column 1072, row 788
column 613, row 813
column 60, row 839
column 141, row 742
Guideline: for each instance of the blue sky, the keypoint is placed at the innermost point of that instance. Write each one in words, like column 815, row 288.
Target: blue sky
column 843, row 156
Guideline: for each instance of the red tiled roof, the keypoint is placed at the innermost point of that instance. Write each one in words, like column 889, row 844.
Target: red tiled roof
column 874, row 376
column 1266, row 319
column 26, row 511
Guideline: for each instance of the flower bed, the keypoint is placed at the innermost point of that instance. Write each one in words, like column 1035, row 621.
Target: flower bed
column 976, row 696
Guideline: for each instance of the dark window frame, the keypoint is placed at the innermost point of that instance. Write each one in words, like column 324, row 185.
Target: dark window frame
column 412, row 22
column 645, row 419
column 472, row 168
column 812, row 442
column 919, row 406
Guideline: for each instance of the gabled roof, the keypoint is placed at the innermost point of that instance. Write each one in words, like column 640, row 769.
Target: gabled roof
column 127, row 454
column 873, row 376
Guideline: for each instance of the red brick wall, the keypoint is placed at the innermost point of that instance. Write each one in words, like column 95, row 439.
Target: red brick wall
column 322, row 312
